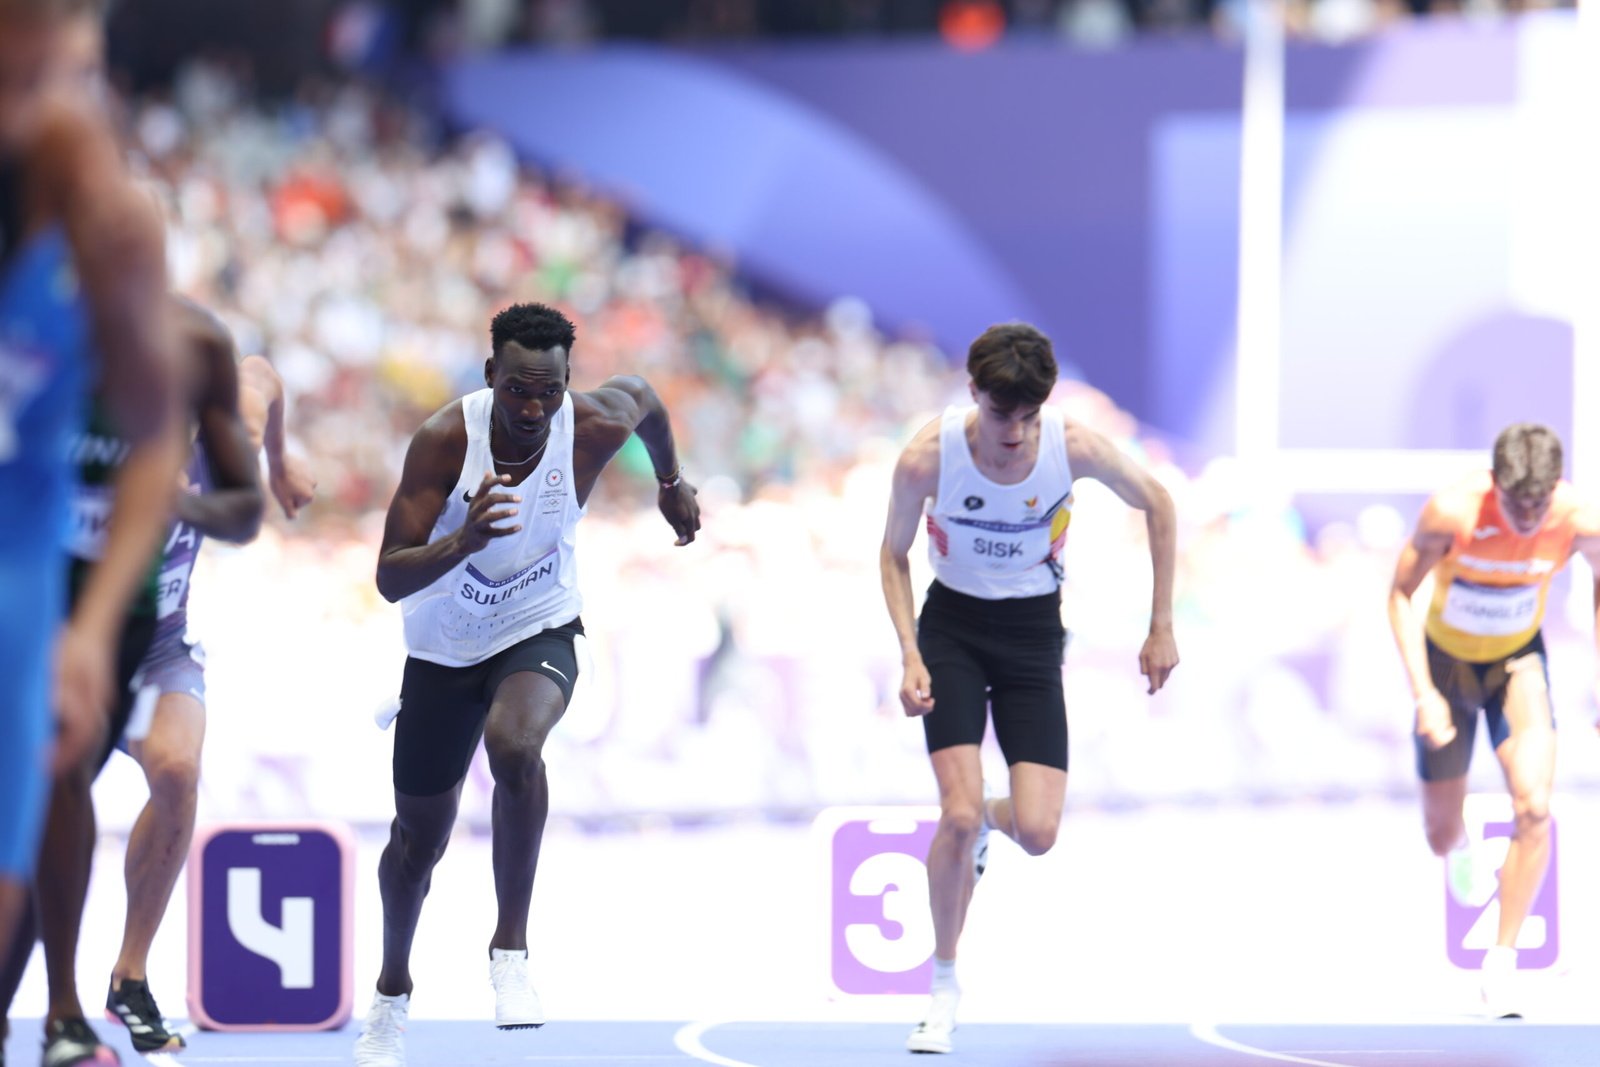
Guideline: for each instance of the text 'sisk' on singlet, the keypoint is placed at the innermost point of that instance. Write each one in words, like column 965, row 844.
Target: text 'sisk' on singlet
column 1000, row 541
column 1490, row 588
column 516, row 585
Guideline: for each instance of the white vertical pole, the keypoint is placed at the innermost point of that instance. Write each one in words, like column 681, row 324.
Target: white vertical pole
column 1585, row 443
column 1260, row 326
column 1584, row 447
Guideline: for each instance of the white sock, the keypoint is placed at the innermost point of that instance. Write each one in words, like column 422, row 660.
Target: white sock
column 507, row 953
column 1500, row 956
column 944, row 976
column 399, row 998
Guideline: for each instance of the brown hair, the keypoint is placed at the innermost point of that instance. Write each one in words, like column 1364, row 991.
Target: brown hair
column 1014, row 364
column 1527, row 459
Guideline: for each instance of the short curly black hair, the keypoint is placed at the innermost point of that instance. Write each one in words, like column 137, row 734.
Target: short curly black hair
column 535, row 327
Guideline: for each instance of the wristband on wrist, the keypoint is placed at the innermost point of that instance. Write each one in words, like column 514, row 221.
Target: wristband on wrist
column 671, row 480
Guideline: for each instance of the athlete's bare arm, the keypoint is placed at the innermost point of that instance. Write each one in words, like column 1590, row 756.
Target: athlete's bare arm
column 604, row 419
column 1093, row 456
column 231, row 509
column 1430, row 543
column 407, row 562
column 76, row 176
column 916, row 479
column 119, row 254
column 86, row 649
column 261, row 405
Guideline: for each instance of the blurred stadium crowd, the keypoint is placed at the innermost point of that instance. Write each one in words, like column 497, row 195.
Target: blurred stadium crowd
column 454, row 24
column 755, row 671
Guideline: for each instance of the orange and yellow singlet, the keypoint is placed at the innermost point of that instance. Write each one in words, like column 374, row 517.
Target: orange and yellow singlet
column 1490, row 588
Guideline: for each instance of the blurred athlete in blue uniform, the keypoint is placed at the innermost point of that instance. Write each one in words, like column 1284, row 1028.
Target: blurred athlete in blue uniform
column 81, row 269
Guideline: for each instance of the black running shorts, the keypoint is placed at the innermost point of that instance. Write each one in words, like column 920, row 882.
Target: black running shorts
column 443, row 709
column 1469, row 687
column 1004, row 653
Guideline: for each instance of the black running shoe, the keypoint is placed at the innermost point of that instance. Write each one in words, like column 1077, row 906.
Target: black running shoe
column 70, row 1043
column 129, row 1002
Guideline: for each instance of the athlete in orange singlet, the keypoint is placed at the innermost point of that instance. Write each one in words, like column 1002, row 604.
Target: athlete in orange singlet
column 1493, row 543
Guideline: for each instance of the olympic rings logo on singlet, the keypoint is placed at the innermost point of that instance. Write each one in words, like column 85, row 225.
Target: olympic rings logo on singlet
column 486, row 597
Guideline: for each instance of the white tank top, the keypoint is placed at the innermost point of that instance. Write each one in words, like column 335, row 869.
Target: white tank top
column 514, row 586
column 1000, row 541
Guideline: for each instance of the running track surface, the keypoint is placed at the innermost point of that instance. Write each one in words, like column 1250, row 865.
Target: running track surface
column 748, row 1044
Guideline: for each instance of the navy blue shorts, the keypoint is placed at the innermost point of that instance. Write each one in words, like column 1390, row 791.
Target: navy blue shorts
column 1470, row 688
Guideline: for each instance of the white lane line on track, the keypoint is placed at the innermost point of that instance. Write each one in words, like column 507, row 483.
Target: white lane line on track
column 687, row 1039
column 1207, row 1032
column 168, row 1059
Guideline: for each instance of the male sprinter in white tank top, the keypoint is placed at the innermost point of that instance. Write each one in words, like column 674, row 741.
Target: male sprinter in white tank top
column 995, row 481
column 479, row 550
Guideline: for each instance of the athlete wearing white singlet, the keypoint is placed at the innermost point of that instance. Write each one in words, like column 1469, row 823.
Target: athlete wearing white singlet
column 993, row 484
column 996, row 555
column 515, row 586
column 478, row 550
column 511, row 606
column 1008, row 538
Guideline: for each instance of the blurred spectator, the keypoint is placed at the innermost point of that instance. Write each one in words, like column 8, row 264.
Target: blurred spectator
column 151, row 38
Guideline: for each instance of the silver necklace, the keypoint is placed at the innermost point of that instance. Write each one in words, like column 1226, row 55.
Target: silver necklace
column 520, row 462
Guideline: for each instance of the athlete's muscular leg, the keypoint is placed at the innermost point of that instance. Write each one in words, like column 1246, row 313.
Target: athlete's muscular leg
column 417, row 839
column 13, row 901
column 65, row 859
column 1528, row 757
column 525, row 708
column 13, row 898
column 1031, row 815
column 21, row 931
column 1441, row 813
column 170, row 756
column 950, row 874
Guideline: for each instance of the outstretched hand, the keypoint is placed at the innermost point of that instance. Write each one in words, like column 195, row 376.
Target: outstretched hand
column 680, row 509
